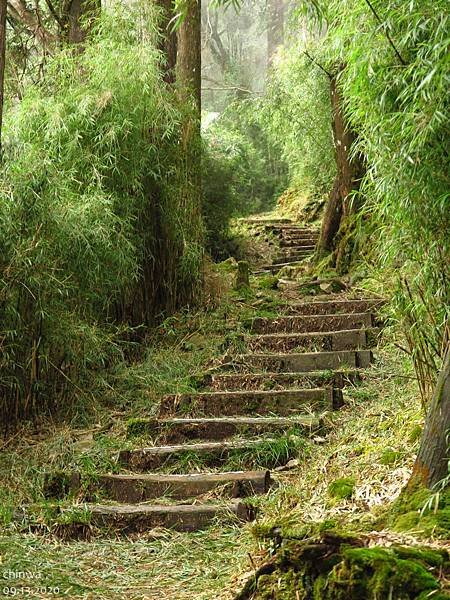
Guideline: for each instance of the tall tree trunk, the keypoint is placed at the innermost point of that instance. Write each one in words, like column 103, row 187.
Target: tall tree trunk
column 3, row 10
column 189, row 64
column 275, row 28
column 79, row 16
column 432, row 460
column 168, row 41
column 349, row 172
column 188, row 72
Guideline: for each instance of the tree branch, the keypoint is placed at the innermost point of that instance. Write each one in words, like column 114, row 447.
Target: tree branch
column 31, row 21
column 386, row 32
column 230, row 88
column 55, row 15
column 313, row 60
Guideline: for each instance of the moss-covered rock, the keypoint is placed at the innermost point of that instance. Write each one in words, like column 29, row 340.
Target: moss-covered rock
column 365, row 573
column 343, row 568
column 267, row 282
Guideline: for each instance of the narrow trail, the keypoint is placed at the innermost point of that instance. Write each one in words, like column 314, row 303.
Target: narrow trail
column 290, row 375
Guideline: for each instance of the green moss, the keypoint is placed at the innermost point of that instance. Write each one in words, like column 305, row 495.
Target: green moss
column 415, row 434
column 139, row 426
column 378, row 573
column 227, row 266
column 390, row 456
column 427, row 556
column 411, row 512
column 340, row 489
column 272, row 587
column 267, row 282
column 341, row 569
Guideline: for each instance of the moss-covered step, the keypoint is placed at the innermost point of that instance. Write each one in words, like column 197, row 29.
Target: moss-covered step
column 135, row 488
column 290, row 228
column 274, row 268
column 294, row 252
column 297, row 241
column 175, row 430
column 282, row 261
column 254, row 453
column 330, row 307
column 311, row 323
column 277, row 381
column 132, row 518
column 305, row 361
column 351, row 339
column 280, row 402
column 266, row 221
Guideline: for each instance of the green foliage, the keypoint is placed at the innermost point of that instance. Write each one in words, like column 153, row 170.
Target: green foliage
column 297, row 114
column 241, row 172
column 401, row 114
column 394, row 80
column 94, row 215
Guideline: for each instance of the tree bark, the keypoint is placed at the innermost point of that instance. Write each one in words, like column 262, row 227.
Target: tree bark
column 78, row 17
column 275, row 28
column 188, row 69
column 168, row 42
column 349, row 172
column 432, row 460
column 3, row 11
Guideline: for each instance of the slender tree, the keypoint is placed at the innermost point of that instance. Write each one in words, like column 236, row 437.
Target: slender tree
column 349, row 172
column 77, row 19
column 433, row 458
column 188, row 67
column 3, row 11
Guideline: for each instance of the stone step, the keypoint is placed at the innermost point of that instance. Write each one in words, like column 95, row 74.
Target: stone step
column 297, row 241
column 277, row 267
column 352, row 339
column 307, row 361
column 291, row 228
column 178, row 430
column 216, row 404
column 274, row 381
column 284, row 260
column 132, row 518
column 296, row 250
column 296, row 235
column 135, row 488
column 271, row 222
column 211, row 454
column 311, row 323
column 341, row 306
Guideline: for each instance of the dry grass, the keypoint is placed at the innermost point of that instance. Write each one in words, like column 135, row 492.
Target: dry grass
column 381, row 413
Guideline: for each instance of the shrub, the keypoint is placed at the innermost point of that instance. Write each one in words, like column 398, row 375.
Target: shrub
column 93, row 226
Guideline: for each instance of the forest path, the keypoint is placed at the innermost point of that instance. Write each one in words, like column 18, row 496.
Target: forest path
column 247, row 417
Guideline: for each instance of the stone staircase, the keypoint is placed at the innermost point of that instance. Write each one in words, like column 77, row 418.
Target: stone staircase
column 293, row 371
column 290, row 243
